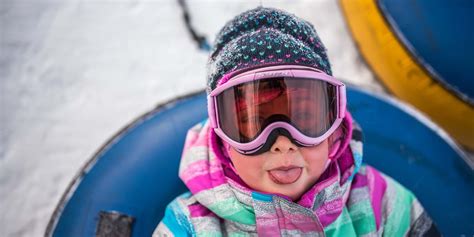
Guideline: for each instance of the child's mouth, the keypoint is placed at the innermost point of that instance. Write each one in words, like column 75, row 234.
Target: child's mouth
column 285, row 175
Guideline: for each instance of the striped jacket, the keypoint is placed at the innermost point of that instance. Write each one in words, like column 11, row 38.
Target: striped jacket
column 349, row 199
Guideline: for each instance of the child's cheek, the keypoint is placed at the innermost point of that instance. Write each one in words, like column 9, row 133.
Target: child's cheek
column 316, row 158
column 249, row 168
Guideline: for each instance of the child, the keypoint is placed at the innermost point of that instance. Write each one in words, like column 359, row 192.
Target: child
column 280, row 155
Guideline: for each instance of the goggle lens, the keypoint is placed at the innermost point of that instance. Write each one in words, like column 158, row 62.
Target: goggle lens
column 245, row 110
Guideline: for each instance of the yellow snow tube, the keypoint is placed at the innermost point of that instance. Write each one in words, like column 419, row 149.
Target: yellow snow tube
column 402, row 75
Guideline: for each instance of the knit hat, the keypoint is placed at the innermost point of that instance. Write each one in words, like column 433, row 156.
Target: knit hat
column 262, row 37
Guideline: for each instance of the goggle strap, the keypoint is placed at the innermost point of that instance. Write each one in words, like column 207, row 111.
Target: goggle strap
column 212, row 111
column 341, row 91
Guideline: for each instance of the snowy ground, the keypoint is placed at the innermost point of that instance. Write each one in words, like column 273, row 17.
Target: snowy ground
column 73, row 73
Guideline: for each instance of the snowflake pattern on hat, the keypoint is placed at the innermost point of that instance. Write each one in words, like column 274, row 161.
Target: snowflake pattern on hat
column 265, row 36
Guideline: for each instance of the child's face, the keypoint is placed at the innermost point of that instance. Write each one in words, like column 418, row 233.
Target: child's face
column 285, row 169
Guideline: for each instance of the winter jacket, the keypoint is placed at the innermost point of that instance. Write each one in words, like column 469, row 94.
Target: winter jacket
column 349, row 199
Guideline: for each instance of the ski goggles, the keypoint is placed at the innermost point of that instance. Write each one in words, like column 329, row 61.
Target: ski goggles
column 249, row 110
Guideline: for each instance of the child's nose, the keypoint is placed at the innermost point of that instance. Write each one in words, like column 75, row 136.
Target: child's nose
column 283, row 145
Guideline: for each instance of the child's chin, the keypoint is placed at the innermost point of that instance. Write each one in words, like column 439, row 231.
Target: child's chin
column 293, row 195
column 292, row 191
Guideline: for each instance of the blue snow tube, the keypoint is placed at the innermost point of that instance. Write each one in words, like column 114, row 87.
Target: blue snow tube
column 441, row 39
column 134, row 175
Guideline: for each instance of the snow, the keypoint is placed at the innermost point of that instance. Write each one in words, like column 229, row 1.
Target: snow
column 73, row 73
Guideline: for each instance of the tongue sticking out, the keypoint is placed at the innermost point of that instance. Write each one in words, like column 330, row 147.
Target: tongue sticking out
column 283, row 176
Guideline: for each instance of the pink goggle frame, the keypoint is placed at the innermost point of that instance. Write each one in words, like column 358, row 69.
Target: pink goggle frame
column 235, row 78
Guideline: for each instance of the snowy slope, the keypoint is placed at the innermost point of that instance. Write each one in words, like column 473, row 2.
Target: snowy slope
column 73, row 73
